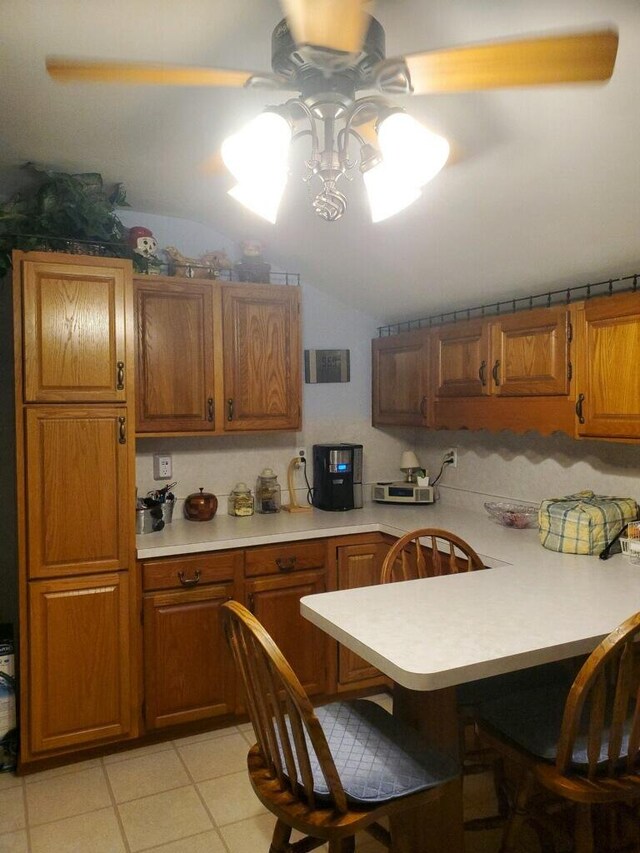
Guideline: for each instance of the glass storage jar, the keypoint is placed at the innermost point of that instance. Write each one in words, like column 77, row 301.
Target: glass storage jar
column 240, row 500
column 267, row 492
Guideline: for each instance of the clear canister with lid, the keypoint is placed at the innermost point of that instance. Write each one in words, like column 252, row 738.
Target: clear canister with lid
column 267, row 492
column 240, row 500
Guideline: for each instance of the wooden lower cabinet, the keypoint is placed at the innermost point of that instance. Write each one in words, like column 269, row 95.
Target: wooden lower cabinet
column 358, row 565
column 80, row 662
column 188, row 671
column 275, row 602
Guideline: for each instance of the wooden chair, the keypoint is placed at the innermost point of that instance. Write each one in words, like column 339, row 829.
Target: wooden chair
column 310, row 767
column 404, row 562
column 582, row 746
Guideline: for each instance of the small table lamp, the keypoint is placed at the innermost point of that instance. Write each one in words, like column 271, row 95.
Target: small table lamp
column 410, row 465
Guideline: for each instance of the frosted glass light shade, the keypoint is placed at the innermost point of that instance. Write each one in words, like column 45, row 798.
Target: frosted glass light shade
column 415, row 153
column 409, row 460
column 388, row 194
column 259, row 150
column 262, row 198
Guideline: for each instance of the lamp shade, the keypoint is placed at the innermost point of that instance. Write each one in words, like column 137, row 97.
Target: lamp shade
column 409, row 460
column 388, row 193
column 259, row 151
column 415, row 153
column 261, row 197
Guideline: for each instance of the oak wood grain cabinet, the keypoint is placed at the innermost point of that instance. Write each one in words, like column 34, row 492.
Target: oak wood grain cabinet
column 74, row 328
column 215, row 357
column 400, row 380
column 277, row 577
column 79, row 642
column 608, row 379
column 506, row 372
column 358, row 565
column 188, row 672
column 176, row 357
column 261, row 345
column 73, row 333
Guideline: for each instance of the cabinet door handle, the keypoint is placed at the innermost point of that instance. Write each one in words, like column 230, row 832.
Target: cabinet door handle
column 189, row 581
column 250, row 602
column 579, row 403
column 120, row 376
column 210, row 409
column 496, row 372
column 482, row 373
column 230, row 409
column 122, row 430
column 423, row 407
column 286, row 564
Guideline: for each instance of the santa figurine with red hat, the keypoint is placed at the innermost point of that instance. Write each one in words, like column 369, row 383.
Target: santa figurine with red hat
column 142, row 243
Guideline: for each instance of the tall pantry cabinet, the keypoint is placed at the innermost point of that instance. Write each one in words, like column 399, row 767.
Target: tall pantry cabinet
column 75, row 418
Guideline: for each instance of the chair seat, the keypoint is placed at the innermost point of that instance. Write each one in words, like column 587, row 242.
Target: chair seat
column 497, row 686
column 532, row 719
column 377, row 758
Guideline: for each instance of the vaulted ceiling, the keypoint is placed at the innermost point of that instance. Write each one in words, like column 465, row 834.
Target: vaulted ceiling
column 543, row 188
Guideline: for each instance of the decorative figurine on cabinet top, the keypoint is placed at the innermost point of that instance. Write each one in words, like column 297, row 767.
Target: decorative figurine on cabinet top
column 252, row 266
column 143, row 244
column 206, row 266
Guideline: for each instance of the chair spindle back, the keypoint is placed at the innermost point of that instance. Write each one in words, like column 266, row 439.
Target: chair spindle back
column 443, row 554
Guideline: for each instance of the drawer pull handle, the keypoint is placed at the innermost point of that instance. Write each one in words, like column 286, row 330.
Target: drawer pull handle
column 120, row 376
column 189, row 581
column 287, row 564
column 579, row 412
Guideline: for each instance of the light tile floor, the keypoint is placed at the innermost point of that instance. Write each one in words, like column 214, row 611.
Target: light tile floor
column 185, row 796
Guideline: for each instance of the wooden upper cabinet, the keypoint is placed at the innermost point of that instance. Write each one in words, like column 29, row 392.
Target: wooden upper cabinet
column 74, row 327
column 261, row 357
column 530, row 353
column 400, row 379
column 608, row 379
column 79, row 645
column 461, row 360
column 175, row 356
column 79, row 495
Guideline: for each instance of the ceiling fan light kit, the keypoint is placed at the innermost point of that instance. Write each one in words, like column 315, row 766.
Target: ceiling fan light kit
column 327, row 51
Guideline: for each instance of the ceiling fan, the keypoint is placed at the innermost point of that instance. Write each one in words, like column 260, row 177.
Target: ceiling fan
column 329, row 50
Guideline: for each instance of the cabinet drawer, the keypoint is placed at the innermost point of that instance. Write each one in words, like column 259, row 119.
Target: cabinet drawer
column 191, row 570
column 287, row 557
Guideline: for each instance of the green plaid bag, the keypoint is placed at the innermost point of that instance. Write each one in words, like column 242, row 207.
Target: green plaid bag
column 583, row 523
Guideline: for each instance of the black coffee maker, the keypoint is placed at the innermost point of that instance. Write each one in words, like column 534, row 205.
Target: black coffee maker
column 337, row 476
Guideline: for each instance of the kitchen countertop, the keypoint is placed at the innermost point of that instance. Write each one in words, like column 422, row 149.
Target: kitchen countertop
column 496, row 544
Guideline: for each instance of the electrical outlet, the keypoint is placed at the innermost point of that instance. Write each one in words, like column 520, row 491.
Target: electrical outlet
column 162, row 466
column 452, row 454
column 301, row 452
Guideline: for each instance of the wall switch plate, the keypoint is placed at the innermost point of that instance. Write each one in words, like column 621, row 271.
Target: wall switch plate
column 162, row 466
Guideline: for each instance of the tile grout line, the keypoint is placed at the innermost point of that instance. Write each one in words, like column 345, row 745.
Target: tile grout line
column 115, row 808
column 201, row 798
column 27, row 822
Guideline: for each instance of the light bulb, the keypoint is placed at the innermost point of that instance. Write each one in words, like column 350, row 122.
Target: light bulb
column 388, row 193
column 413, row 151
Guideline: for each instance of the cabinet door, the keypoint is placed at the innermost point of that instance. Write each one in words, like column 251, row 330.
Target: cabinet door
column 188, row 668
column 400, row 366
column 79, row 652
column 461, row 360
column 79, row 496
column 275, row 601
column 175, row 357
column 74, row 331
column 358, row 565
column 261, row 357
column 608, row 379
column 530, row 353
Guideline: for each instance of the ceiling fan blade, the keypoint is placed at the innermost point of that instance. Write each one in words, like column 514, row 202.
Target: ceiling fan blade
column 526, row 62
column 66, row 70
column 332, row 24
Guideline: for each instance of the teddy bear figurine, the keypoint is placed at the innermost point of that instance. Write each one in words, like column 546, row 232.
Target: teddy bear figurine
column 252, row 267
